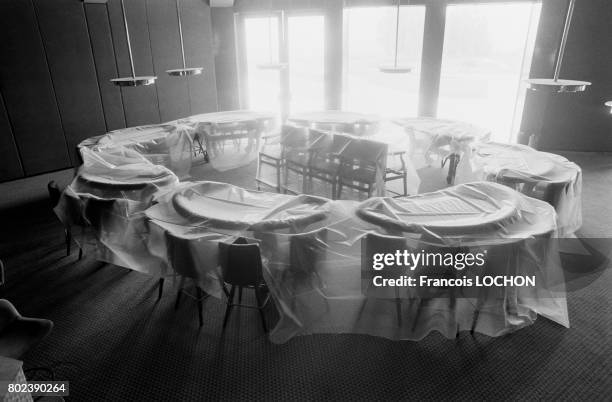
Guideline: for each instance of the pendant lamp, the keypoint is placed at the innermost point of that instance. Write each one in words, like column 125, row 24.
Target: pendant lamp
column 185, row 71
column 132, row 81
column 395, row 68
column 609, row 105
column 553, row 85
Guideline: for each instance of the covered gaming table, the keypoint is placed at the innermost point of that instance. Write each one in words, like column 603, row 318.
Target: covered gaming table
column 542, row 175
column 312, row 252
column 317, row 278
column 232, row 137
column 108, row 202
column 448, row 139
column 167, row 144
column 206, row 213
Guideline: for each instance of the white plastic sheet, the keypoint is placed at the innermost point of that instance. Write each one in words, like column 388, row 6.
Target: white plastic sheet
column 541, row 175
column 168, row 144
column 108, row 202
column 327, row 149
column 232, row 138
column 314, row 270
column 436, row 137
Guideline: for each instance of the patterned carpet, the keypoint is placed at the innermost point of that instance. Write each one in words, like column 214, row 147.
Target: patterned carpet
column 114, row 341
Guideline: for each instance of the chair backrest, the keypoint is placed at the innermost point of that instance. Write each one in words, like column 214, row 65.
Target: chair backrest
column 293, row 136
column 364, row 151
column 306, row 250
column 240, row 263
column 54, row 193
column 372, row 244
column 321, row 143
column 180, row 256
column 98, row 211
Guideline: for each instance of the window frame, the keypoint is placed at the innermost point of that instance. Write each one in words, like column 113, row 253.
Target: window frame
column 332, row 12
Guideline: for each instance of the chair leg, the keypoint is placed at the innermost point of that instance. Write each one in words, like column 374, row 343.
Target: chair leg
column 178, row 299
column 398, row 308
column 68, row 238
column 179, row 293
column 161, row 288
column 80, row 252
column 200, row 309
column 260, row 309
column 398, row 311
column 278, row 177
column 240, row 295
column 334, row 189
column 405, row 179
column 228, row 309
column 339, row 194
column 416, row 314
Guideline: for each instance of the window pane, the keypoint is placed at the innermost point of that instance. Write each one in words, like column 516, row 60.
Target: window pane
column 369, row 42
column 261, row 41
column 487, row 54
column 306, row 54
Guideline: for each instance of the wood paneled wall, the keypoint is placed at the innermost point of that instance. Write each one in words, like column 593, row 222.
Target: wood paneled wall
column 579, row 121
column 57, row 58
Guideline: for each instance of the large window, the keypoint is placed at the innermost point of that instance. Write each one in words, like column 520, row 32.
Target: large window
column 297, row 41
column 262, row 47
column 306, row 53
column 369, row 42
column 487, row 54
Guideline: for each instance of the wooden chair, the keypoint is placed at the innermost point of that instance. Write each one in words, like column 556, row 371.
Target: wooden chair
column 290, row 137
column 180, row 255
column 324, row 161
column 54, row 197
column 241, row 268
column 361, row 163
column 373, row 244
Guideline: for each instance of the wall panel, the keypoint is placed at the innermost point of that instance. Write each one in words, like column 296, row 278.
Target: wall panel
column 72, row 69
column 106, row 66
column 226, row 71
column 199, row 51
column 28, row 92
column 140, row 103
column 166, row 50
column 10, row 165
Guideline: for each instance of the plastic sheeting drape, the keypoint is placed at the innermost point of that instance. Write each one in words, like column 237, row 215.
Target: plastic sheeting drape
column 436, row 137
column 313, row 250
column 108, row 202
column 541, row 175
column 387, row 147
column 233, row 138
column 168, row 144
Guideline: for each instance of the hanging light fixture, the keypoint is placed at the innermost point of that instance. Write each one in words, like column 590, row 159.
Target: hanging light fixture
column 395, row 68
column 555, row 84
column 185, row 71
column 271, row 64
column 609, row 105
column 132, row 81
